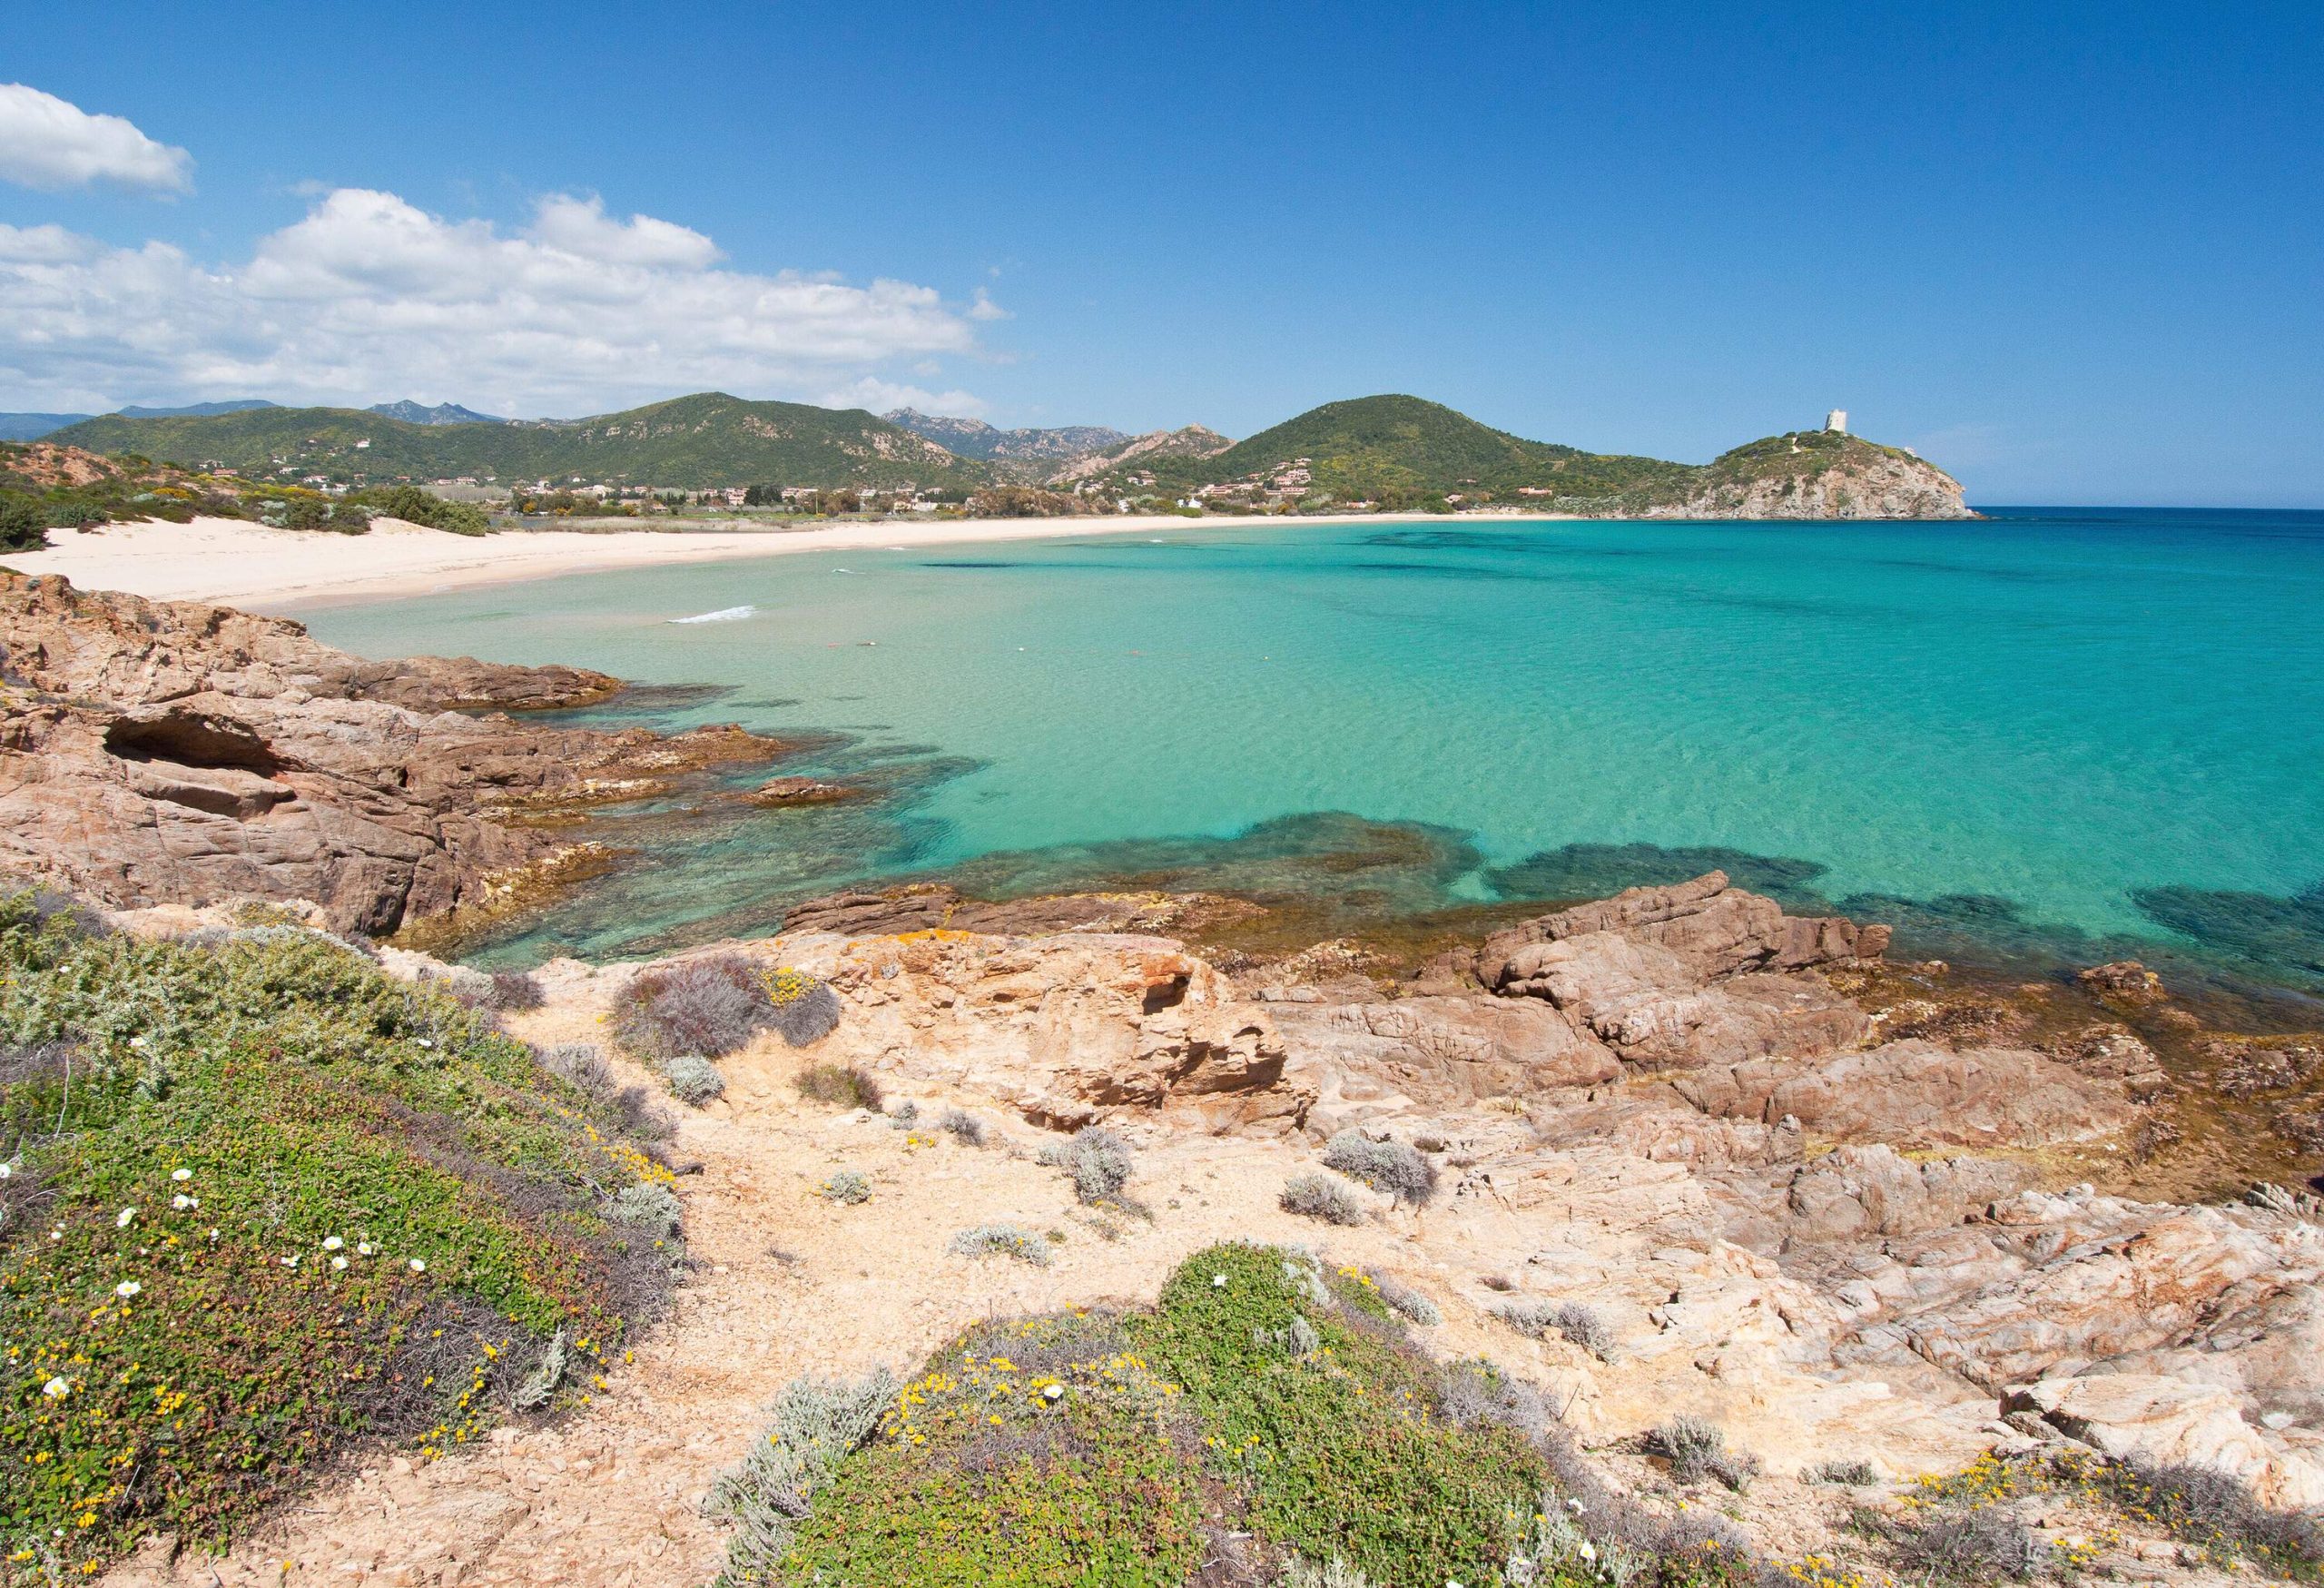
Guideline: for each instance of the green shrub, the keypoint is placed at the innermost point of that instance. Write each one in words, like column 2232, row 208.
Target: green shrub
column 425, row 508
column 283, row 1200
column 1338, row 1453
column 1040, row 1451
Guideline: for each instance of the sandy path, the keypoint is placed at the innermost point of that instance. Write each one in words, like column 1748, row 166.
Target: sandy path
column 609, row 1496
column 240, row 564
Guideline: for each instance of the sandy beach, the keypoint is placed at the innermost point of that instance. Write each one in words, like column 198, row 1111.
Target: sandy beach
column 240, row 564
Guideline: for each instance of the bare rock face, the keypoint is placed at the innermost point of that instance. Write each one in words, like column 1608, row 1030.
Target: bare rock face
column 161, row 753
column 1917, row 1094
column 1065, row 1029
column 1448, row 1051
column 1686, row 976
column 1856, row 1192
column 2168, row 1421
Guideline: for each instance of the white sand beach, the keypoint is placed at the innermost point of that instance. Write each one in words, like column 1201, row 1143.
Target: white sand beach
column 239, row 564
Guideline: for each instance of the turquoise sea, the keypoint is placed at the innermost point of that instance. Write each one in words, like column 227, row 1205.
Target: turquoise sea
column 2053, row 724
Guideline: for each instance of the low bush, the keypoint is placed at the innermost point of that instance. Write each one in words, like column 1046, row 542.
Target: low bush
column 1404, row 1300
column 1315, row 1196
column 1098, row 1161
column 818, row 1423
column 1033, row 1452
column 804, row 1009
column 1856, row 1474
column 1009, row 1239
column 1384, row 1165
column 514, row 990
column 962, row 1127
column 425, row 508
column 1974, row 1545
column 583, row 1065
column 842, row 1085
column 845, row 1186
column 1697, row 1449
column 2216, row 1510
column 705, row 1009
column 904, row 1115
column 694, row 1080
column 1580, row 1323
column 283, row 1202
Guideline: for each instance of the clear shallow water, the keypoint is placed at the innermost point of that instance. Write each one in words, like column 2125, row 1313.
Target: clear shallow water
column 2058, row 710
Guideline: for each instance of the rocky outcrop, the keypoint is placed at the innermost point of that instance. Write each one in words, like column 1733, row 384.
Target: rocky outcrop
column 157, row 753
column 1685, row 976
column 1917, row 1094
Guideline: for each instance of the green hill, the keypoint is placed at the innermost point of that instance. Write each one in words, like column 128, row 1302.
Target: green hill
column 690, row 442
column 1402, row 451
column 1391, row 447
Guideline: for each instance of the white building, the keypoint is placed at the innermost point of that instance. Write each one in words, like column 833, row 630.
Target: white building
column 1838, row 419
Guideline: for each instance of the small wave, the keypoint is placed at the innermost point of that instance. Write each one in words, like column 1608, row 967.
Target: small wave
column 723, row 615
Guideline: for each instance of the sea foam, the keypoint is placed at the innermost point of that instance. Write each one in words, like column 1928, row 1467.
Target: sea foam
column 723, row 615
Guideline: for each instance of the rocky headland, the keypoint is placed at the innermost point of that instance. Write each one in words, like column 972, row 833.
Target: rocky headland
column 171, row 752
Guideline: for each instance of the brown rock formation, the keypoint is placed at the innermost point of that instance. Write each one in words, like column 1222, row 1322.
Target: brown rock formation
column 174, row 753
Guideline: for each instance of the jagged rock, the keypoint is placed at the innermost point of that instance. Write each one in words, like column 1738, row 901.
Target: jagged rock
column 1688, row 975
column 1852, row 1193
column 2112, row 1053
column 2124, row 981
column 1712, row 929
column 1065, row 1029
column 784, row 792
column 1918, row 1094
column 158, row 752
column 1447, row 1050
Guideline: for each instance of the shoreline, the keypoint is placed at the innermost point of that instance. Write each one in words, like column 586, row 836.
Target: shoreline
column 231, row 562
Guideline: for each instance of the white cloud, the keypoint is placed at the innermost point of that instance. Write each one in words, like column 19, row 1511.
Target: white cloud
column 368, row 297
column 984, row 308
column 881, row 396
column 48, row 142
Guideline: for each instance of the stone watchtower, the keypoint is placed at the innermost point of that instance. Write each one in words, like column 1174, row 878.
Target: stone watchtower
column 1838, row 419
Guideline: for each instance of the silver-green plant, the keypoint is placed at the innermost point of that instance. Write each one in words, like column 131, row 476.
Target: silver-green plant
column 1009, row 1239
column 1334, row 1572
column 845, row 1186
column 1403, row 1298
column 1323, row 1197
column 818, row 1423
column 1098, row 1160
column 693, row 1079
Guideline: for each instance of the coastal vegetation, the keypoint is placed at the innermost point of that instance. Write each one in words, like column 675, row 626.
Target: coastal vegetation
column 259, row 1200
column 1268, row 1410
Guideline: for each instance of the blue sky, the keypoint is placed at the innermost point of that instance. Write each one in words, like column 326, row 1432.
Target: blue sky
column 2074, row 253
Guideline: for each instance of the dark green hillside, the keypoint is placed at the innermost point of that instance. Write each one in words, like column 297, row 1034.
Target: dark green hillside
column 1372, row 446
column 706, row 439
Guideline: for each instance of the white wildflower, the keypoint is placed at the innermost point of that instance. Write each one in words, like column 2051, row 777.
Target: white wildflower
column 1589, row 1549
column 418, row 1267
column 363, row 1247
column 339, row 1263
column 1219, row 1281
column 181, row 1175
column 182, row 1202
column 6, row 1170
column 136, row 1042
column 127, row 1288
column 56, row 1389
column 214, row 1232
column 423, row 1042
column 291, row 1262
column 121, row 1222
column 331, row 1243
